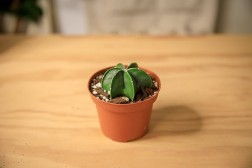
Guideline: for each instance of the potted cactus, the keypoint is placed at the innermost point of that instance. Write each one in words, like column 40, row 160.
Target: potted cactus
column 124, row 96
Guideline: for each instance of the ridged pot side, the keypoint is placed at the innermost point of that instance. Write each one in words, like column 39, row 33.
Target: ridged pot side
column 124, row 122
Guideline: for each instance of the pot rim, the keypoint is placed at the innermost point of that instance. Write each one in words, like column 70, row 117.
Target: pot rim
column 156, row 77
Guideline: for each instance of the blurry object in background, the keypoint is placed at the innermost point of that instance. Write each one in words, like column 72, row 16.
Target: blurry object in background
column 46, row 24
column 70, row 16
column 151, row 16
column 235, row 16
column 23, row 10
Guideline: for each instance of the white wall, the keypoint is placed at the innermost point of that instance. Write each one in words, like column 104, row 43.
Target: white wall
column 70, row 17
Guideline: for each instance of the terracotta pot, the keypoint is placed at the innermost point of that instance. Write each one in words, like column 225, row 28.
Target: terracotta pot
column 124, row 122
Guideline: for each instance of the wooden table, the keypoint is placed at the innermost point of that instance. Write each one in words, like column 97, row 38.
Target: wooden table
column 202, row 118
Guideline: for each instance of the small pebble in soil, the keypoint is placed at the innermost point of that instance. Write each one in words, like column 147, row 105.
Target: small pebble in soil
column 94, row 92
column 98, row 85
column 120, row 100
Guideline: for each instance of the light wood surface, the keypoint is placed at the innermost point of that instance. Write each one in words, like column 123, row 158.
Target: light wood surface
column 202, row 118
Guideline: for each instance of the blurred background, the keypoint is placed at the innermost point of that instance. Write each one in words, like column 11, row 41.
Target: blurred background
column 154, row 17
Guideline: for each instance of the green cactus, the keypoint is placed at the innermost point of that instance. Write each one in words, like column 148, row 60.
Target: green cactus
column 125, row 81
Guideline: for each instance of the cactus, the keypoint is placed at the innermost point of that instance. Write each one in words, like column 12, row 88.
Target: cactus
column 125, row 81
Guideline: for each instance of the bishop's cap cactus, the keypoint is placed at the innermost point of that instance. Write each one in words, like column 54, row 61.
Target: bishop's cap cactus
column 125, row 81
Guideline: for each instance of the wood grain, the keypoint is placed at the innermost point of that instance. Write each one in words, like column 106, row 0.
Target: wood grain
column 202, row 118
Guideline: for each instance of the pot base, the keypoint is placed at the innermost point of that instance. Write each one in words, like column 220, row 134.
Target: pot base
column 125, row 139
